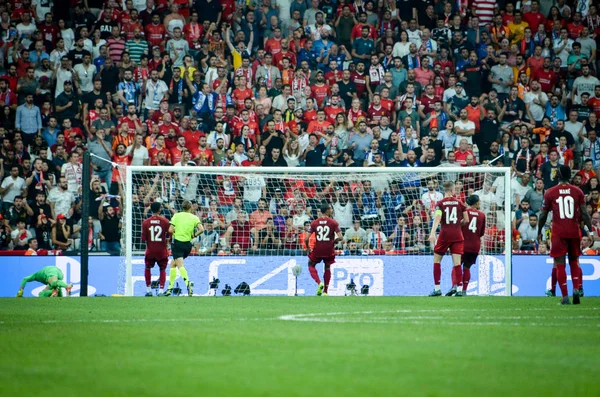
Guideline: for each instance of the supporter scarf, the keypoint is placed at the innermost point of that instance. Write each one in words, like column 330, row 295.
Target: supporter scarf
column 412, row 64
column 179, row 89
column 595, row 152
column 376, row 74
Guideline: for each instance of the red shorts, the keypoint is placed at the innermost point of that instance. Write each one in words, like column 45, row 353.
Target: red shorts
column 469, row 258
column 329, row 260
column 151, row 260
column 565, row 246
column 456, row 247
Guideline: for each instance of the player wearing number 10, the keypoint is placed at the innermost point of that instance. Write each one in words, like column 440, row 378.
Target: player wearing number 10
column 568, row 207
column 155, row 235
column 327, row 234
column 449, row 214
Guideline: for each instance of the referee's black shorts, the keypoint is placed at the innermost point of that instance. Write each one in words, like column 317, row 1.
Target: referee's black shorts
column 181, row 249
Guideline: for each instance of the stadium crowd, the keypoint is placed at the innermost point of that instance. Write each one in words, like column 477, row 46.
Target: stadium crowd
column 292, row 83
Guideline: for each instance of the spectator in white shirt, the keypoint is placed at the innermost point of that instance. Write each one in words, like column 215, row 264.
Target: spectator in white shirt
column 529, row 233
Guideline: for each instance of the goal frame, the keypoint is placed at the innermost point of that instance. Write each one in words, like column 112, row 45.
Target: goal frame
column 505, row 171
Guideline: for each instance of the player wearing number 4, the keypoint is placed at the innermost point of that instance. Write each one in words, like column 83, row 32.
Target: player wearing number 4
column 568, row 207
column 155, row 235
column 185, row 226
column 449, row 214
column 327, row 234
column 472, row 233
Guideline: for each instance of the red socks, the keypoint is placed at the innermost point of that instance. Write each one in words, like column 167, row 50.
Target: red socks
column 575, row 273
column 553, row 282
column 437, row 273
column 457, row 276
column 561, row 276
column 466, row 278
column 162, row 277
column 327, row 277
column 314, row 274
column 580, row 272
column 148, row 276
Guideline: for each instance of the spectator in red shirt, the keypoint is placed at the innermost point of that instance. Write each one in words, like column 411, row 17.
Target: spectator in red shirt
column 320, row 90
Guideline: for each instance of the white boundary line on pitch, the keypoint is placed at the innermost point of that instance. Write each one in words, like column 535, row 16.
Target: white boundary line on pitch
column 135, row 320
column 418, row 320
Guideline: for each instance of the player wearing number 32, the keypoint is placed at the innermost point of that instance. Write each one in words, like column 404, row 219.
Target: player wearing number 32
column 327, row 234
column 155, row 233
column 568, row 207
column 449, row 214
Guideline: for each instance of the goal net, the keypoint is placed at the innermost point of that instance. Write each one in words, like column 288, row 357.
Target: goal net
column 256, row 220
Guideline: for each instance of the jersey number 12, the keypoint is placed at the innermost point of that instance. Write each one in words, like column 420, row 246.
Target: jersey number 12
column 156, row 233
column 566, row 207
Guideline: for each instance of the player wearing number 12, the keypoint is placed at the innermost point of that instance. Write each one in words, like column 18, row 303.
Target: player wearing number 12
column 327, row 234
column 567, row 203
column 155, row 234
column 449, row 214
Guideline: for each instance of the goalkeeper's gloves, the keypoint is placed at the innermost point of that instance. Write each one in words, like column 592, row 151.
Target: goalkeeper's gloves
column 20, row 293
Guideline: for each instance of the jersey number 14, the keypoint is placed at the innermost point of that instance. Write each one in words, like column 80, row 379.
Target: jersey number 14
column 451, row 216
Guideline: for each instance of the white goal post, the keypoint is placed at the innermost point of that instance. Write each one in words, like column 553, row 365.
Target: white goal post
column 403, row 176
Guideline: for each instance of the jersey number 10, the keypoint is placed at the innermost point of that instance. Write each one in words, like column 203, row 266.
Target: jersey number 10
column 566, row 207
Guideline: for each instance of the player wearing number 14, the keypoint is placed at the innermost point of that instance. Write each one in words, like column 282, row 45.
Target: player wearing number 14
column 327, row 234
column 567, row 203
column 449, row 214
column 155, row 235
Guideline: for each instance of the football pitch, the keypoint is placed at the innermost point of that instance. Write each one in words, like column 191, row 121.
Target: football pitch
column 299, row 346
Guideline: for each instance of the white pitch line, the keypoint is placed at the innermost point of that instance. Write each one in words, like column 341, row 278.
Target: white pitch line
column 385, row 317
column 130, row 321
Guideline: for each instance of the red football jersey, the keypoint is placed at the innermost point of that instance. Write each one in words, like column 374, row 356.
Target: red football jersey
column 155, row 232
column 565, row 201
column 547, row 79
column 324, row 229
column 452, row 215
column 155, row 34
column 319, row 93
column 474, row 230
column 360, row 80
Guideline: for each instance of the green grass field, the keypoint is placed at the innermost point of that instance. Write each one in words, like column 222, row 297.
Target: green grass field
column 299, row 346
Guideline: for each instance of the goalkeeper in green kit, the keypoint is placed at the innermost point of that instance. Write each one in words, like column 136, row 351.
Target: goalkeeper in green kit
column 52, row 277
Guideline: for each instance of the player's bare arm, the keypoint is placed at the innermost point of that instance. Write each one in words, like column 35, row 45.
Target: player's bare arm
column 586, row 219
column 436, row 224
column 542, row 223
column 198, row 230
column 338, row 237
column 465, row 219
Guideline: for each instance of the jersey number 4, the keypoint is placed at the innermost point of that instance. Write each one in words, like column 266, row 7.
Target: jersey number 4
column 322, row 233
column 473, row 225
column 156, row 233
column 451, row 216
column 566, row 207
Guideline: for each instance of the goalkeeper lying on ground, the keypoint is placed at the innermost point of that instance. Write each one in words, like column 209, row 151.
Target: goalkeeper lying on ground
column 52, row 277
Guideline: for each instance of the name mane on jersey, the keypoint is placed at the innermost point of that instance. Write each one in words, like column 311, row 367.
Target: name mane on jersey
column 322, row 222
column 155, row 221
column 474, row 213
column 450, row 203
column 564, row 191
